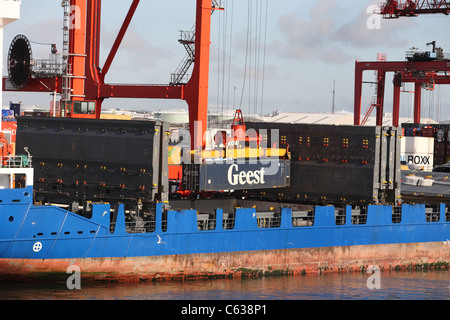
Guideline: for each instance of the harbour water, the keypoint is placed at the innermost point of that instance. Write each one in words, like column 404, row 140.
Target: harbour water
column 433, row 285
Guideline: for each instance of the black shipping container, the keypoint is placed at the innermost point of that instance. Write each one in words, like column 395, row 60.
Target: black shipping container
column 96, row 160
column 331, row 164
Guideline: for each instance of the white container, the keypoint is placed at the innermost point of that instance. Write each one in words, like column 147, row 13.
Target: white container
column 418, row 151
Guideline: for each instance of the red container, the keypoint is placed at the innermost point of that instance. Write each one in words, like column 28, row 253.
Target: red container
column 428, row 132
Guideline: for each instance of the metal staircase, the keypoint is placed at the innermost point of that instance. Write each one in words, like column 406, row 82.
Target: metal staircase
column 187, row 39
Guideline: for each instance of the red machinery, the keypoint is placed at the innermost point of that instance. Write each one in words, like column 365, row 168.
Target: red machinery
column 6, row 148
column 85, row 78
column 393, row 9
column 416, row 72
column 240, row 134
column 419, row 68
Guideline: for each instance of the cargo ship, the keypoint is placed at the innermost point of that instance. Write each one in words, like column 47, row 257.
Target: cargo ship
column 126, row 201
column 55, row 213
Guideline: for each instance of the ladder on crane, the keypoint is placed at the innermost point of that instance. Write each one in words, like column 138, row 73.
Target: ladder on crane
column 372, row 106
column 187, row 39
column 66, row 92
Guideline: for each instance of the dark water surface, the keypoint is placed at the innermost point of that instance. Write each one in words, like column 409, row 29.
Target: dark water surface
column 393, row 286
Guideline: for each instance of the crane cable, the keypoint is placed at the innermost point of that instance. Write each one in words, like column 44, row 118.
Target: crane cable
column 246, row 51
column 255, row 57
column 230, row 55
column 258, row 88
column 264, row 56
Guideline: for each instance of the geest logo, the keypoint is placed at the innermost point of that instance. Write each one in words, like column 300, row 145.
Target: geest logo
column 243, row 178
column 422, row 160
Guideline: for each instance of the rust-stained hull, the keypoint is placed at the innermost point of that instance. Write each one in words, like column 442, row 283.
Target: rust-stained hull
column 236, row 264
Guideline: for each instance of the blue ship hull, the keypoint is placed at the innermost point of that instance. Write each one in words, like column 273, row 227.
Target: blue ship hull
column 35, row 240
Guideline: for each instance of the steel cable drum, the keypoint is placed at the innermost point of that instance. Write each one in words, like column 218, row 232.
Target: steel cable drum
column 20, row 58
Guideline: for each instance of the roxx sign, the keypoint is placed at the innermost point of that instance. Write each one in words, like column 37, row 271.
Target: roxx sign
column 421, row 160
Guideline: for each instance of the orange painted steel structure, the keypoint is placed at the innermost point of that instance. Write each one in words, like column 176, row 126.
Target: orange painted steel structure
column 88, row 78
column 404, row 72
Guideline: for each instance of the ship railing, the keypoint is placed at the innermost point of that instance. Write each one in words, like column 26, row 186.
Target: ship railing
column 18, row 161
column 432, row 214
column 359, row 216
column 140, row 226
column 303, row 218
column 340, row 216
column 229, row 220
column 268, row 219
column 396, row 214
column 206, row 221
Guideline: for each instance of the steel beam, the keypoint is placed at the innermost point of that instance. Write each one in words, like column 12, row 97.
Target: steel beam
column 120, row 36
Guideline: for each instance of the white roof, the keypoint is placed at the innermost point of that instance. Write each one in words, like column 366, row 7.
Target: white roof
column 312, row 118
column 340, row 118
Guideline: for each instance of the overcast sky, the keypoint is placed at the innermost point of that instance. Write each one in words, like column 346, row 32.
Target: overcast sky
column 308, row 45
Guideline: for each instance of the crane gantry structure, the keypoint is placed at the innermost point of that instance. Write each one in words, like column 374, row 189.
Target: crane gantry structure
column 82, row 85
column 393, row 9
column 420, row 68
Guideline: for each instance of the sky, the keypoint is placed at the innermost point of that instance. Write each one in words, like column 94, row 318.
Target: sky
column 266, row 55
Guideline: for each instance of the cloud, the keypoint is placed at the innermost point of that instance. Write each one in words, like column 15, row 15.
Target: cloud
column 357, row 34
column 136, row 46
column 307, row 40
column 327, row 37
column 137, row 60
column 311, row 39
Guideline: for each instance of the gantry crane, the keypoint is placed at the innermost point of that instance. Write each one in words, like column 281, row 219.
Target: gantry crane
column 420, row 68
column 82, row 85
column 393, row 9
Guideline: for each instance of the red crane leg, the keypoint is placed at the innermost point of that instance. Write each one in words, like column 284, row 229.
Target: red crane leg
column 358, row 96
column 380, row 96
column 196, row 91
column 93, row 53
column 396, row 107
column 417, row 102
column 77, row 50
